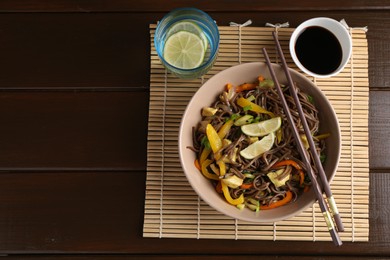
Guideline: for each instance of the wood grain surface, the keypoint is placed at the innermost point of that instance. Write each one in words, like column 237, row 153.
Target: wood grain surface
column 74, row 93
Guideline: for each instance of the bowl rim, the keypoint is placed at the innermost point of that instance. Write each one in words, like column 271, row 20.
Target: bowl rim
column 222, row 209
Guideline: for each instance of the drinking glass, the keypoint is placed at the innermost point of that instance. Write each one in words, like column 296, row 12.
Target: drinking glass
column 208, row 30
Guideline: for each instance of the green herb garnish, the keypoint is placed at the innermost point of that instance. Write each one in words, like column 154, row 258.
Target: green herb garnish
column 205, row 142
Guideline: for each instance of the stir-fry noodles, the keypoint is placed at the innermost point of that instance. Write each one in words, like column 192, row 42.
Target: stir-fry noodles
column 245, row 146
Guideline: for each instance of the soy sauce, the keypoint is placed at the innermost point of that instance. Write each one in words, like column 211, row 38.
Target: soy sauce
column 318, row 50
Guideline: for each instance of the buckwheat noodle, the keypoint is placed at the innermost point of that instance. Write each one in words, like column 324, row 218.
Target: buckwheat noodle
column 255, row 171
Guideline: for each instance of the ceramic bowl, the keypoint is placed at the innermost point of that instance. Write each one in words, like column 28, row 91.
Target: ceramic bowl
column 206, row 95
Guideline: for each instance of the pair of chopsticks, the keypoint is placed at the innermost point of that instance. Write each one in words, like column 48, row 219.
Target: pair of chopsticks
column 329, row 207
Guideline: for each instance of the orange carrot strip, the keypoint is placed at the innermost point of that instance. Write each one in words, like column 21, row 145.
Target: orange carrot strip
column 197, row 165
column 218, row 188
column 228, row 86
column 287, row 162
column 246, row 186
column 260, row 78
column 301, row 177
column 246, row 86
column 279, row 203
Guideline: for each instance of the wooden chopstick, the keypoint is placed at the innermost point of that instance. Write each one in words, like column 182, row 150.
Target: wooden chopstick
column 317, row 161
column 323, row 205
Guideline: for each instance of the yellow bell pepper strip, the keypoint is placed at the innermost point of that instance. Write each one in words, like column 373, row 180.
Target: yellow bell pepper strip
column 243, row 102
column 226, row 193
column 222, row 168
column 225, row 128
column 206, row 173
column 203, row 156
column 323, row 136
column 279, row 203
column 279, row 135
column 214, row 139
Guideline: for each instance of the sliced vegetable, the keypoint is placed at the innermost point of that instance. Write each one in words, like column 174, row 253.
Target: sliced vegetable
column 301, row 178
column 226, row 193
column 197, row 165
column 203, row 156
column 234, row 117
column 278, row 203
column 246, row 119
column 229, row 86
column 209, row 111
column 206, row 173
column 323, row 136
column 225, row 128
column 246, row 186
column 215, row 169
column 247, row 108
column 232, row 181
column 226, row 142
column 251, row 98
column 253, row 207
column 249, row 175
column 218, row 188
column 253, row 204
column 274, row 176
column 267, row 83
column 305, row 142
column 222, row 168
column 243, row 102
column 241, row 206
column 287, row 162
column 245, row 86
column 310, row 99
column 293, row 164
column 279, row 135
column 214, row 139
column 205, row 142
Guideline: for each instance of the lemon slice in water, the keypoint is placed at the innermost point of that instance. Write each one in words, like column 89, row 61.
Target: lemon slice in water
column 263, row 127
column 259, row 147
column 184, row 50
column 188, row 26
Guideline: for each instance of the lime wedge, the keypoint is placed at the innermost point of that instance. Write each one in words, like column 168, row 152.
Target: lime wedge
column 188, row 26
column 258, row 147
column 263, row 127
column 184, row 50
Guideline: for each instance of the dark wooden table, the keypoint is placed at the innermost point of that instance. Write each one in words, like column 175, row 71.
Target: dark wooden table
column 74, row 93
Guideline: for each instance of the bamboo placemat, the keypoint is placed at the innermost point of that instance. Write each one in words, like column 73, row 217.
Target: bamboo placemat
column 172, row 208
